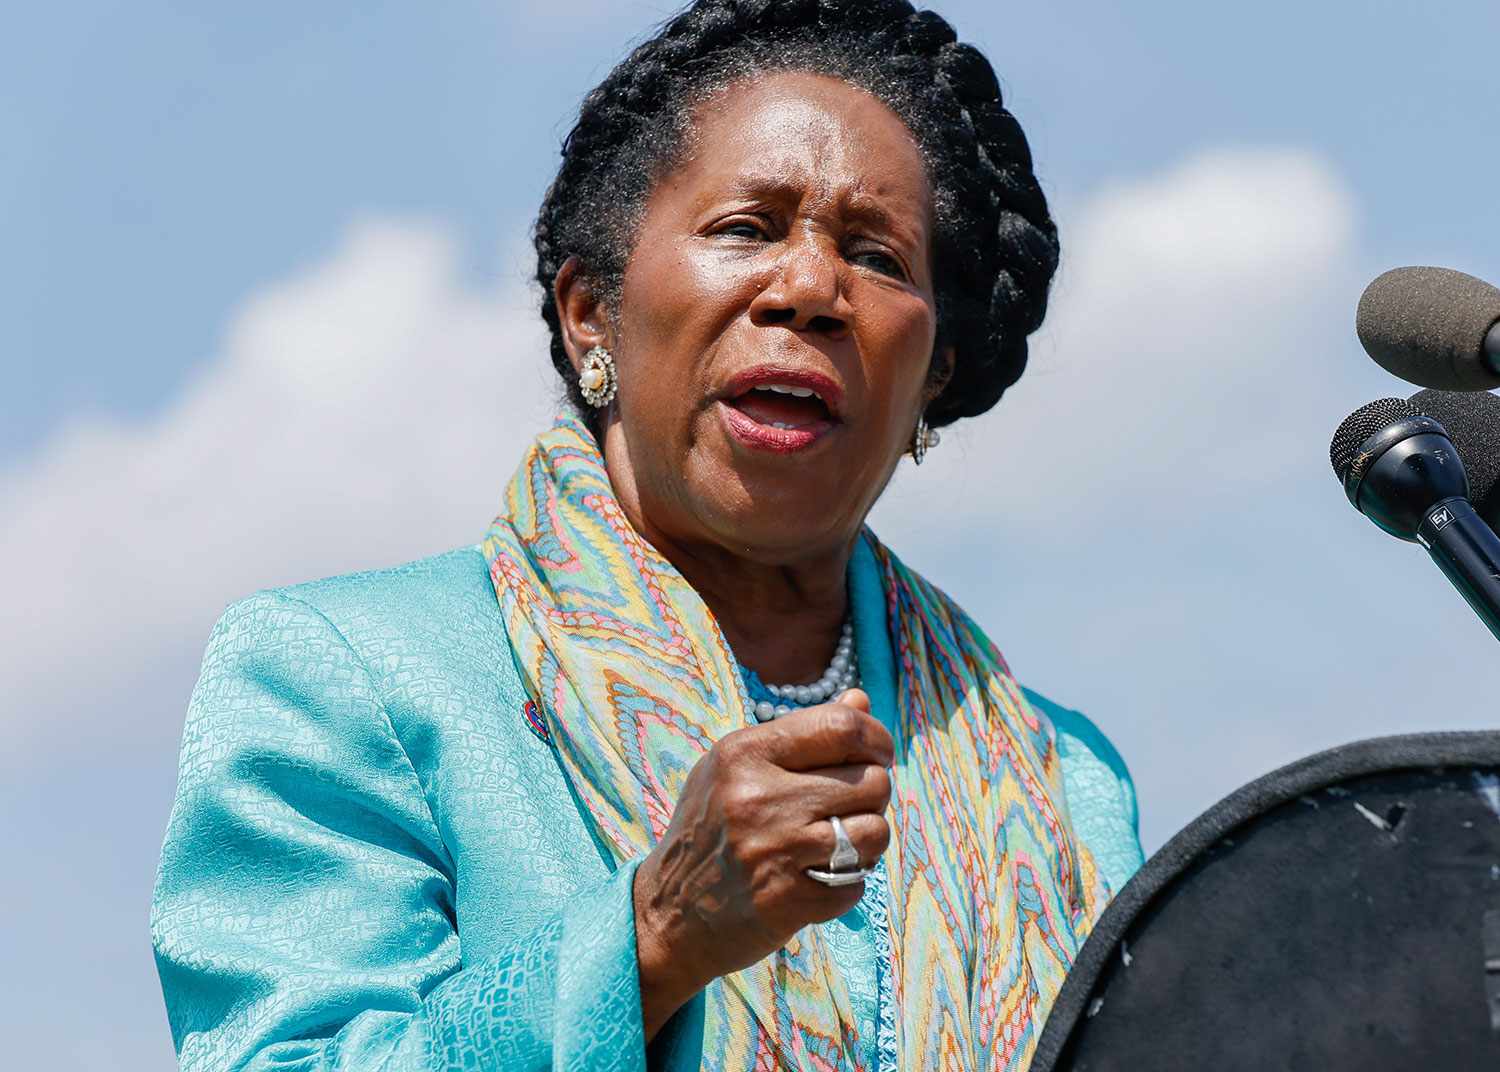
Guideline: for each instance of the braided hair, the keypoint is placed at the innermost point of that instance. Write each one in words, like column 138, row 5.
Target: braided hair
column 994, row 242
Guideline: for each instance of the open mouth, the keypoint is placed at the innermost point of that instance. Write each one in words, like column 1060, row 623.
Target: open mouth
column 782, row 406
column 780, row 412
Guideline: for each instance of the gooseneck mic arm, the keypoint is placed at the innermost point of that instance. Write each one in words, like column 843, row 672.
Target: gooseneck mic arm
column 1468, row 553
column 1400, row 469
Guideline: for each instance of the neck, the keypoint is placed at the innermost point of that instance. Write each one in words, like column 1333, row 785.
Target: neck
column 781, row 618
column 782, row 621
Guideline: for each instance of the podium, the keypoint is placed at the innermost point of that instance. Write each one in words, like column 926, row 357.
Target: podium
column 1342, row 912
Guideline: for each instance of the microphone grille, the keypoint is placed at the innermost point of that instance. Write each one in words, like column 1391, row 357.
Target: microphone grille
column 1361, row 425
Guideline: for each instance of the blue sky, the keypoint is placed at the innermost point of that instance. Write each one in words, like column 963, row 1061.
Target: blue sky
column 255, row 254
column 166, row 158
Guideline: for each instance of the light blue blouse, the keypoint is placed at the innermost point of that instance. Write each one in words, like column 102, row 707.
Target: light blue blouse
column 374, row 860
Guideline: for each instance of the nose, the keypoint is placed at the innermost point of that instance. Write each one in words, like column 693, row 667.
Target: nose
column 806, row 292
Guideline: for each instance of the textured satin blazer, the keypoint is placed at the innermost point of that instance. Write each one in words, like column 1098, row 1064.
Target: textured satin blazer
column 374, row 860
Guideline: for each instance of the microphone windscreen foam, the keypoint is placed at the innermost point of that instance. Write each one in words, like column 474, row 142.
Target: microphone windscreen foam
column 1428, row 325
column 1472, row 421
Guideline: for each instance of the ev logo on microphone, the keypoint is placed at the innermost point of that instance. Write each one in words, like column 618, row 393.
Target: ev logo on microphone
column 1441, row 519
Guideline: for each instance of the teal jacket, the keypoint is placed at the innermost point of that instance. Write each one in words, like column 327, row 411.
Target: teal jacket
column 374, row 861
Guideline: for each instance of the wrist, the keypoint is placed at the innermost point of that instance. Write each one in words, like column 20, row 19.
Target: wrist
column 667, row 979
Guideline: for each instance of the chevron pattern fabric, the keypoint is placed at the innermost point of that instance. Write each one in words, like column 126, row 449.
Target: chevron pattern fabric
column 990, row 893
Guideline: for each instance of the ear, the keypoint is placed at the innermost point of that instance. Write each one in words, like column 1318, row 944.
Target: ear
column 939, row 373
column 581, row 314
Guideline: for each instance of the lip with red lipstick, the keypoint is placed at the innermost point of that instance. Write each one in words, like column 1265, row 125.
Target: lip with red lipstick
column 780, row 409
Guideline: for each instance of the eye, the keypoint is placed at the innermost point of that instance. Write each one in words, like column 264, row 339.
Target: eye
column 880, row 261
column 743, row 228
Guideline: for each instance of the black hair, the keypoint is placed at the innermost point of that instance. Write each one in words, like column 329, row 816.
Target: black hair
column 994, row 242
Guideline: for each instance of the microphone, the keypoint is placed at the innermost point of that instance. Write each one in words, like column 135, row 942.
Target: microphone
column 1433, row 327
column 1472, row 421
column 1400, row 469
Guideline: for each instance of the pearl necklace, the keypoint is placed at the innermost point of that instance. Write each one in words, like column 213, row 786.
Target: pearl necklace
column 842, row 673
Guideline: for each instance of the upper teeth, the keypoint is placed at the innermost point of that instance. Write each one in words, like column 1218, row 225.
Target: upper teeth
column 783, row 389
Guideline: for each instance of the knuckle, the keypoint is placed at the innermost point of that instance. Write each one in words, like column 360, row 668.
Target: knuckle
column 745, row 801
column 841, row 723
column 751, row 850
column 730, row 747
column 880, row 784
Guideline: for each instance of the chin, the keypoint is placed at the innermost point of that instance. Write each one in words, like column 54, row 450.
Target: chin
column 786, row 524
column 775, row 507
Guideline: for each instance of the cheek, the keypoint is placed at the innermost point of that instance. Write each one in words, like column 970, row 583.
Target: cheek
column 679, row 298
column 678, row 302
column 901, row 352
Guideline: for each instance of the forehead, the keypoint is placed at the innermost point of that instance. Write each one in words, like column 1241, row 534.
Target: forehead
column 812, row 133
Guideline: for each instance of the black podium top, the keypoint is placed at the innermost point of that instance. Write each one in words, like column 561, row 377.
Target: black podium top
column 1342, row 912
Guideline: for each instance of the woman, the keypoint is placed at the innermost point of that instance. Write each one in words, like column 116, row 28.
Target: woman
column 534, row 802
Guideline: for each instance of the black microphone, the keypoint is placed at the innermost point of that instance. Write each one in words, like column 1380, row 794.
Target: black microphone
column 1400, row 469
column 1472, row 421
column 1433, row 327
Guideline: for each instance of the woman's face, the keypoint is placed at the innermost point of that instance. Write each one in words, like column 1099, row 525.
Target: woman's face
column 776, row 325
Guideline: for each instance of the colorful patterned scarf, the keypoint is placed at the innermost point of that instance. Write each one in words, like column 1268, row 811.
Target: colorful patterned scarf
column 990, row 896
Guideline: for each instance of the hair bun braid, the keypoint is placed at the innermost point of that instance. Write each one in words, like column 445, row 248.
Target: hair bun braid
column 995, row 244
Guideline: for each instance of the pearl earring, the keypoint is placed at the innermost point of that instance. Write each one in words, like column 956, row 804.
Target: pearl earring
column 923, row 439
column 597, row 378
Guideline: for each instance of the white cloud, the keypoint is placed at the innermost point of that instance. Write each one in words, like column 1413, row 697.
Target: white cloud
column 1145, row 522
column 361, row 413
column 1184, row 301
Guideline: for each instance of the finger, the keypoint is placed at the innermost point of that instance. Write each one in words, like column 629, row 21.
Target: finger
column 840, row 790
column 827, row 735
column 828, row 902
column 869, row 833
column 854, row 698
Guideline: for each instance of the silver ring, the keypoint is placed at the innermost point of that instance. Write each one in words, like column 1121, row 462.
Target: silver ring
column 843, row 865
column 845, row 856
column 839, row 878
